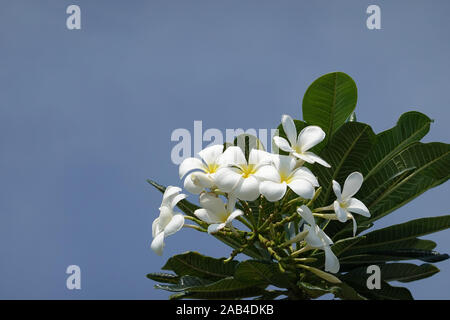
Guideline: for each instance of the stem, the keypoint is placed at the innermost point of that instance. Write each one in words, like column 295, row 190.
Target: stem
column 194, row 227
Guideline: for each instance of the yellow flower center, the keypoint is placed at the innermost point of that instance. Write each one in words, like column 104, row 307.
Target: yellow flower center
column 297, row 149
column 285, row 177
column 212, row 167
column 247, row 170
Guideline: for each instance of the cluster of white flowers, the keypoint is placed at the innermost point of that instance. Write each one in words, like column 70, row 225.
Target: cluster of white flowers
column 227, row 173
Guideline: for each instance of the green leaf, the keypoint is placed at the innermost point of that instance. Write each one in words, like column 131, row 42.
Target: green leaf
column 415, row 243
column 345, row 153
column 386, row 292
column 194, row 264
column 228, row 288
column 184, row 283
column 431, row 167
column 411, row 127
column 164, row 277
column 404, row 231
column 329, row 101
column 393, row 255
column 340, row 290
column 407, row 272
column 262, row 272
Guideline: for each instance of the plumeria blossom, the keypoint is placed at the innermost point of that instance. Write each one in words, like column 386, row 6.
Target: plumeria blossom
column 168, row 221
column 345, row 204
column 215, row 212
column 282, row 174
column 298, row 146
column 239, row 176
column 317, row 239
column 204, row 171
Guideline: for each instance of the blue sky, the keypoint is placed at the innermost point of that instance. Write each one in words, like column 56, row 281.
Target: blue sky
column 86, row 116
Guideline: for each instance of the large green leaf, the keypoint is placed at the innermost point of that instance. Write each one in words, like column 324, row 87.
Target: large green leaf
column 329, row 101
column 345, row 153
column 262, row 272
column 403, row 231
column 228, row 288
column 392, row 255
column 194, row 264
column 415, row 170
column 411, row 127
column 414, row 243
column 407, row 272
column 341, row 290
column 163, row 277
column 184, row 283
column 358, row 281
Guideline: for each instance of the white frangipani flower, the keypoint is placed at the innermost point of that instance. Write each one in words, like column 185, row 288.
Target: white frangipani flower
column 344, row 204
column 317, row 239
column 203, row 176
column 281, row 174
column 238, row 176
column 216, row 212
column 298, row 146
column 168, row 221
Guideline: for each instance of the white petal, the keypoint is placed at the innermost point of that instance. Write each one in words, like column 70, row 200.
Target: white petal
column 231, row 202
column 190, row 164
column 158, row 244
column 331, row 261
column 306, row 214
column 285, row 164
column 227, row 179
column 202, row 179
column 337, row 190
column 282, row 144
column 213, row 228
column 169, row 194
column 315, row 158
column 247, row 189
column 190, row 186
column 174, row 225
column 259, row 157
column 289, row 128
column 302, row 187
column 313, row 239
column 273, row 191
column 177, row 199
column 204, row 215
column 267, row 173
column 155, row 227
column 232, row 156
column 305, row 174
column 303, row 156
column 212, row 202
column 341, row 213
column 233, row 215
column 165, row 215
column 309, row 137
column 356, row 206
column 352, row 185
column 325, row 238
column 211, row 154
